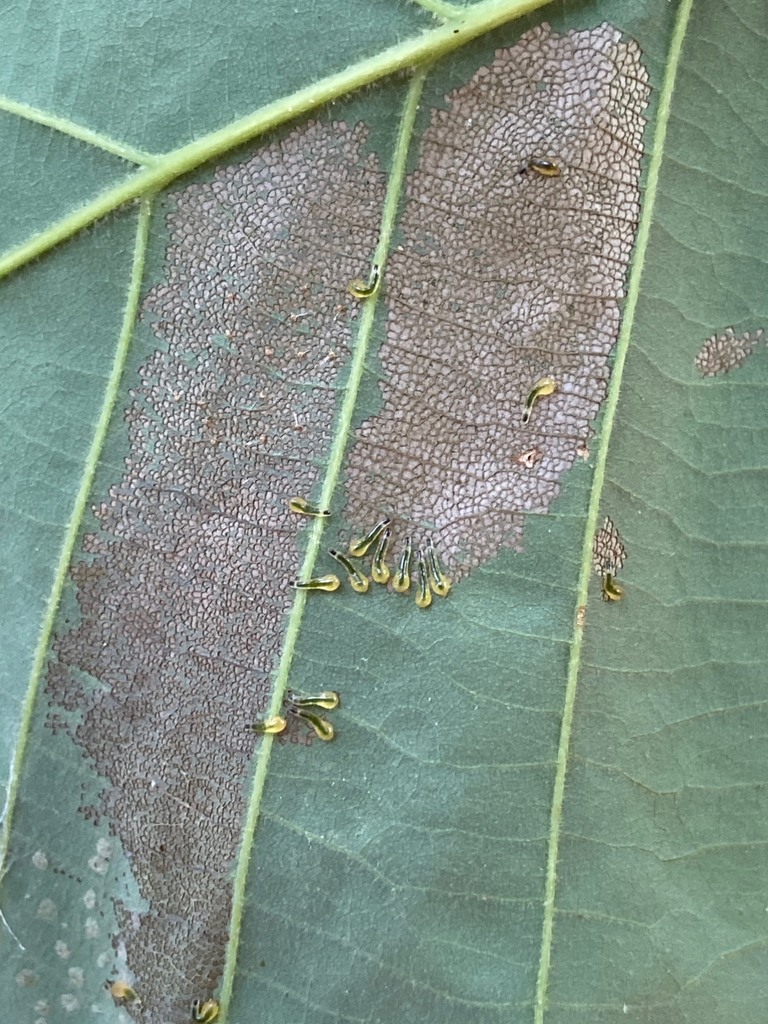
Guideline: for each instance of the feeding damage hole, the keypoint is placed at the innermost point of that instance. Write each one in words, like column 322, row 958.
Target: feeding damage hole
column 724, row 352
column 184, row 589
column 609, row 555
column 504, row 297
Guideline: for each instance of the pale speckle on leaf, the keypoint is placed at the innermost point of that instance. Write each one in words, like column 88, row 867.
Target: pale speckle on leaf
column 47, row 910
column 721, row 353
column 76, row 976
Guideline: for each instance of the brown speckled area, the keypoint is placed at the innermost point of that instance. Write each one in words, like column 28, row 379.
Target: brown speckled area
column 502, row 278
column 608, row 551
column 184, row 589
column 723, row 352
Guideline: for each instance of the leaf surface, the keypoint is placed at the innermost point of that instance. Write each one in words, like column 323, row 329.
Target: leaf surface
column 520, row 819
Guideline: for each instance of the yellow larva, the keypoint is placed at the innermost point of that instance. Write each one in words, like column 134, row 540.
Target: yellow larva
column 328, row 583
column 359, row 546
column 544, row 386
column 271, row 726
column 205, row 1012
column 401, row 581
column 438, row 581
column 305, row 508
column 611, row 589
column 324, row 730
column 424, row 594
column 358, row 289
column 545, row 168
column 328, row 699
column 379, row 568
column 121, row 992
column 357, row 580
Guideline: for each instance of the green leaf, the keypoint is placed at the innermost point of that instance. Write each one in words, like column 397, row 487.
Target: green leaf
column 521, row 818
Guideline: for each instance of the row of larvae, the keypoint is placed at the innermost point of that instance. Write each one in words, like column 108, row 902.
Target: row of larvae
column 431, row 578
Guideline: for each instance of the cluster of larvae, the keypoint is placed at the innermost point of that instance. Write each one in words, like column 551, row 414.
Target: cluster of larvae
column 430, row 577
column 303, row 709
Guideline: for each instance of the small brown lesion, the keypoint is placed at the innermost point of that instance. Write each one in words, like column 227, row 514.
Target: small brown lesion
column 721, row 353
column 583, row 452
column 609, row 555
column 529, row 458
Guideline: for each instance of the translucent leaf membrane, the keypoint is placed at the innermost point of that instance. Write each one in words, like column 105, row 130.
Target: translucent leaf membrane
column 184, row 589
column 608, row 551
column 506, row 276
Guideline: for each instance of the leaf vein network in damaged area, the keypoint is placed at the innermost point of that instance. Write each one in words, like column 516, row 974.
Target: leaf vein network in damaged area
column 724, row 352
column 518, row 229
column 503, row 309
column 183, row 592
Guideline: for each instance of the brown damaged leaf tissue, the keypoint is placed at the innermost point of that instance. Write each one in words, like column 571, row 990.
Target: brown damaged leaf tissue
column 504, row 276
column 184, row 589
